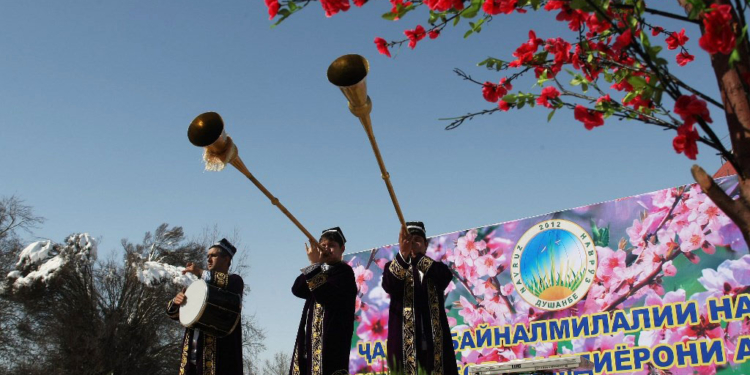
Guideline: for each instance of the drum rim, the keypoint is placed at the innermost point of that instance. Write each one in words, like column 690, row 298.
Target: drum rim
column 203, row 303
column 236, row 321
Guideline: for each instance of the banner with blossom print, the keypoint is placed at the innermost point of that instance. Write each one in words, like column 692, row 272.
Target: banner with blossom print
column 656, row 283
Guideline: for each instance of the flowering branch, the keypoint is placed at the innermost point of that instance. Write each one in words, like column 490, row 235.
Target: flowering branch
column 468, row 288
column 671, row 77
column 657, row 12
column 646, row 281
column 673, row 91
column 611, row 42
column 499, row 287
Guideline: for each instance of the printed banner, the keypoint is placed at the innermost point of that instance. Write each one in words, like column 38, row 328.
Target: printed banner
column 657, row 283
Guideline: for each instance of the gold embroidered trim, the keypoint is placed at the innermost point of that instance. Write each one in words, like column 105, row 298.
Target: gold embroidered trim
column 410, row 357
column 341, row 372
column 185, row 349
column 424, row 264
column 317, row 281
column 437, row 333
column 397, row 270
column 295, row 362
column 209, row 355
column 221, row 279
column 317, row 340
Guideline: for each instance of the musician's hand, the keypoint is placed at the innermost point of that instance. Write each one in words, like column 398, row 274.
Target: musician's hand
column 179, row 299
column 313, row 253
column 193, row 268
column 404, row 244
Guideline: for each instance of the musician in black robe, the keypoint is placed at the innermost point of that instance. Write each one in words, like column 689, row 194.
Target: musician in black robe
column 327, row 324
column 419, row 338
column 204, row 354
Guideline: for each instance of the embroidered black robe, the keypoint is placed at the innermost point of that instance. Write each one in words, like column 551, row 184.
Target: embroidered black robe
column 215, row 356
column 419, row 337
column 325, row 330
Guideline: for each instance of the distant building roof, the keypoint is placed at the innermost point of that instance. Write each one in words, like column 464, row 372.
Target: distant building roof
column 726, row 170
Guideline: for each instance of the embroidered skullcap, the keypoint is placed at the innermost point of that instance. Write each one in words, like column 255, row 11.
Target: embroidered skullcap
column 226, row 246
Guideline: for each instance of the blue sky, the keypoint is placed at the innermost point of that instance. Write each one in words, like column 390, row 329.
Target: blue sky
column 97, row 97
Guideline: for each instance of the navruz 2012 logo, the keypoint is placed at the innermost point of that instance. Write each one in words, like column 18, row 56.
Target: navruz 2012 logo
column 554, row 264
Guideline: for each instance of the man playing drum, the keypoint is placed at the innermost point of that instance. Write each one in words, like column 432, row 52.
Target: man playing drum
column 419, row 338
column 204, row 354
column 325, row 331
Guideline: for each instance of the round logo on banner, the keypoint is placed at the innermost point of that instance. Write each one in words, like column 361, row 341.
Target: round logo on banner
column 553, row 264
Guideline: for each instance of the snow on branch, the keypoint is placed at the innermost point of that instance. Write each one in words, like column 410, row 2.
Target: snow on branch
column 41, row 261
column 153, row 273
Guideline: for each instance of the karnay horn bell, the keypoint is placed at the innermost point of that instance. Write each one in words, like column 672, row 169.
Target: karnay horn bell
column 349, row 73
column 207, row 131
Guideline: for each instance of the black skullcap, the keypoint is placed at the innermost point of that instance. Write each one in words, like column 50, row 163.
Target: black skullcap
column 416, row 227
column 226, row 246
column 337, row 232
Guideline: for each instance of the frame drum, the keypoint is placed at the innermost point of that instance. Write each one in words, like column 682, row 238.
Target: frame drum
column 211, row 309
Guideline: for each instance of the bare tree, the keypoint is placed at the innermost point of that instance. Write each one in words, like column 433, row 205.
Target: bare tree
column 104, row 317
column 278, row 366
column 14, row 216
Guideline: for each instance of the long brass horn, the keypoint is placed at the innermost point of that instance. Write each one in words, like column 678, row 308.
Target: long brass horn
column 207, row 131
column 349, row 73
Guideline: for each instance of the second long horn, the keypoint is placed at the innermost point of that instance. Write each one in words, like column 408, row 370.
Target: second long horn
column 349, row 73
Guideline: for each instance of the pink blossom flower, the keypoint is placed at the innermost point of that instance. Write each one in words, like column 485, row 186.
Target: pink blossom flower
column 471, row 314
column 485, row 289
column 610, row 262
column 381, row 263
column 469, row 246
column 731, row 236
column 452, row 321
column 594, row 301
column 669, row 269
column 691, row 237
column 636, row 233
column 374, row 325
column 704, row 212
column 664, row 198
column 495, row 306
column 361, row 277
column 487, row 265
column 501, row 248
column 507, row 289
column 641, row 229
column 730, row 277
